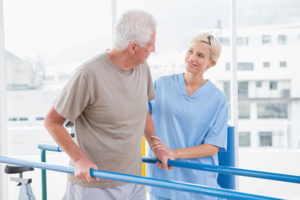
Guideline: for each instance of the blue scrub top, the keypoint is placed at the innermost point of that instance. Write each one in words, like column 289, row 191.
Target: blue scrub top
column 184, row 121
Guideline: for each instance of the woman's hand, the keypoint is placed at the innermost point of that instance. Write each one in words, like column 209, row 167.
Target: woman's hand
column 159, row 148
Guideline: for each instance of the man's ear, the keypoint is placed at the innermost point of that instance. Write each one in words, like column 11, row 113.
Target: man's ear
column 132, row 47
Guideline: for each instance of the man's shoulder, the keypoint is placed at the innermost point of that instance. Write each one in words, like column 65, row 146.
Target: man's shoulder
column 93, row 63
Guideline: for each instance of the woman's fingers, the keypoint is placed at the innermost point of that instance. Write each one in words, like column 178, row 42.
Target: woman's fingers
column 155, row 138
column 157, row 147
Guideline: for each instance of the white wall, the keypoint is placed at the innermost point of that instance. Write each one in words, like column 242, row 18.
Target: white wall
column 277, row 161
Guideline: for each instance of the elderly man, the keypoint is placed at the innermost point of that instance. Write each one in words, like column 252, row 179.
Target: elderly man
column 107, row 99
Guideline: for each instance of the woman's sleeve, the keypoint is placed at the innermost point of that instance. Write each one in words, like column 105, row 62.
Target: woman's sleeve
column 217, row 135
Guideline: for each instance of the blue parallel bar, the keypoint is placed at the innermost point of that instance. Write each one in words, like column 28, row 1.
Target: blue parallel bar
column 44, row 148
column 44, row 176
column 213, row 168
column 143, row 180
column 49, row 147
column 229, row 170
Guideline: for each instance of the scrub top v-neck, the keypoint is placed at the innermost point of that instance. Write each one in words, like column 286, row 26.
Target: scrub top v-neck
column 183, row 87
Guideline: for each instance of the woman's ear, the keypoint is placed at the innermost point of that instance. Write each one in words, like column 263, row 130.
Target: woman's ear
column 212, row 63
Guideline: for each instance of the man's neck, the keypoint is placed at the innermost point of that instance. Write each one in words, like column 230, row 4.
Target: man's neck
column 121, row 59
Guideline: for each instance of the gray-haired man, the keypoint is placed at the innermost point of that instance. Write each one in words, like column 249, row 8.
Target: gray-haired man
column 107, row 99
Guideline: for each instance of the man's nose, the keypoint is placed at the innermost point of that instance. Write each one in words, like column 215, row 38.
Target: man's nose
column 153, row 48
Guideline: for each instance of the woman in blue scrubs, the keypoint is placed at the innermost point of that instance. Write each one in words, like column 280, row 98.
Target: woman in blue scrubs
column 190, row 115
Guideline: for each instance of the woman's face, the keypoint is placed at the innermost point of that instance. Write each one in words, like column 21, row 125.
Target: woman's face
column 197, row 58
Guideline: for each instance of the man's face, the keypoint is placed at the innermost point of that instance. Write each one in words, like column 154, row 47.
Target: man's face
column 145, row 51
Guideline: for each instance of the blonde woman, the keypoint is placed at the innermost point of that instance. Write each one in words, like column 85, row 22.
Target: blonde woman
column 190, row 118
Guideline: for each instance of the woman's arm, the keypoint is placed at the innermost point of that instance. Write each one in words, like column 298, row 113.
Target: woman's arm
column 198, row 151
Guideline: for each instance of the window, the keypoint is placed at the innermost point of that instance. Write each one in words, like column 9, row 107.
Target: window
column 226, row 89
column 244, row 110
column 270, row 41
column 245, row 66
column 244, row 139
column 283, row 64
column 281, row 39
column 42, row 52
column 258, row 84
column 225, row 41
column 278, row 139
column 243, row 89
column 227, row 66
column 271, row 139
column 39, row 118
column 12, row 119
column 266, row 39
column 273, row 85
column 271, row 110
column 242, row 41
column 265, row 139
column 23, row 119
column 266, row 64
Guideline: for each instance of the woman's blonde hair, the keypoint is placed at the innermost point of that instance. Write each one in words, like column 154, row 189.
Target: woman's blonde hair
column 213, row 44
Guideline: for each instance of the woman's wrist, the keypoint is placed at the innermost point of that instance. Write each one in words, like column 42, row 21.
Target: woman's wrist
column 174, row 154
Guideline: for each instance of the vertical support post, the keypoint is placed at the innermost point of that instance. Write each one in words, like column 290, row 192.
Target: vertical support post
column 113, row 18
column 44, row 176
column 234, row 79
column 227, row 158
column 143, row 154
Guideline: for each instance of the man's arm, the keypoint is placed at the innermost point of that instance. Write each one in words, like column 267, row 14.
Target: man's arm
column 54, row 124
column 149, row 134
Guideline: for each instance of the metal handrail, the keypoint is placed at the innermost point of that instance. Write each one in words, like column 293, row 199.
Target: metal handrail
column 213, row 168
column 223, row 193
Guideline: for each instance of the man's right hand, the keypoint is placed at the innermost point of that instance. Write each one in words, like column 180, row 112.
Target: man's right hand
column 82, row 169
column 163, row 157
column 161, row 153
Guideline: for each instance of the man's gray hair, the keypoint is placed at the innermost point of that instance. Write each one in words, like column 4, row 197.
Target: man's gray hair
column 133, row 26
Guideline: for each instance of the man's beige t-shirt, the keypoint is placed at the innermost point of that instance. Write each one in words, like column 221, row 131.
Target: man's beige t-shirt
column 109, row 107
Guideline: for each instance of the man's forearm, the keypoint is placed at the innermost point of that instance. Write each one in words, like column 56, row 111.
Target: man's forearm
column 54, row 125
column 64, row 140
column 149, row 129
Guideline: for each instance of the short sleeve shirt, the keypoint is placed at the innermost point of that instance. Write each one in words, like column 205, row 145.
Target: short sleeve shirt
column 183, row 121
column 109, row 107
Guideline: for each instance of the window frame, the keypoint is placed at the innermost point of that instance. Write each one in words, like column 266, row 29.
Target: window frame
column 3, row 113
